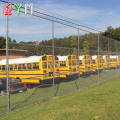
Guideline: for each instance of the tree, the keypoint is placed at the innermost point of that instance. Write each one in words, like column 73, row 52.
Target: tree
column 2, row 42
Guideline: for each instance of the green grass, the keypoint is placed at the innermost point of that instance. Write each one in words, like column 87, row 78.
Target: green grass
column 38, row 94
column 101, row 102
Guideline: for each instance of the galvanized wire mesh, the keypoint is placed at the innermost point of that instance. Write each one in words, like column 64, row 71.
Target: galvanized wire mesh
column 84, row 59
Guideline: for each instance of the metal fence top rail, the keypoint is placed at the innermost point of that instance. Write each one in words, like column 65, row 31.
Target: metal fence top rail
column 50, row 12
column 52, row 18
column 60, row 21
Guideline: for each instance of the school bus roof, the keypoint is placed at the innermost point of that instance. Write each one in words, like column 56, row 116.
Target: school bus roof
column 30, row 59
column 94, row 56
column 104, row 56
column 62, row 58
column 113, row 57
column 81, row 57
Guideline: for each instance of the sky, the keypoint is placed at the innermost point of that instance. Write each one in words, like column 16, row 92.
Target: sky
column 97, row 13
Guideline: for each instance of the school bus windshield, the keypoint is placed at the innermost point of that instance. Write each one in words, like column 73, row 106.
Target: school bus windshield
column 87, row 61
column 56, row 64
column 50, row 64
column 74, row 63
column 62, row 63
column 44, row 65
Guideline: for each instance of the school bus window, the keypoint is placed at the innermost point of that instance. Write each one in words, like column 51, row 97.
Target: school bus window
column 73, row 62
column 19, row 67
column 50, row 64
column 93, row 61
column 3, row 67
column 56, row 64
column 77, row 62
column 15, row 67
column 62, row 63
column 10, row 67
column 69, row 63
column 29, row 66
column 80, row 62
column 24, row 66
column 35, row 65
column 88, row 61
column 44, row 65
column 111, row 60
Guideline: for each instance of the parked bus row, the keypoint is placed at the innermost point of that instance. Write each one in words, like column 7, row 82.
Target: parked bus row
column 36, row 69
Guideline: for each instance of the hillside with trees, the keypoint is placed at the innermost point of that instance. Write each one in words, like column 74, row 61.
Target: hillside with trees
column 68, row 45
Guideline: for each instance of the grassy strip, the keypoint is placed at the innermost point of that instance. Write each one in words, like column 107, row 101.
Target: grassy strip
column 38, row 94
column 101, row 102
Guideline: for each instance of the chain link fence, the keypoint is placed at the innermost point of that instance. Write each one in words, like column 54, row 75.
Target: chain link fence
column 48, row 59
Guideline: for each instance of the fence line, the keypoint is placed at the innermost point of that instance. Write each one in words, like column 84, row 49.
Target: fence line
column 90, row 63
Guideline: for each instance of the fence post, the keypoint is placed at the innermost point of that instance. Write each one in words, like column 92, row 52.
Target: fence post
column 7, row 63
column 78, row 57
column 109, row 53
column 108, row 46
column 53, row 58
column 116, row 57
column 98, row 57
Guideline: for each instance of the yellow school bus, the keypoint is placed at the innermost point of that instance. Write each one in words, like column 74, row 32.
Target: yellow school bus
column 85, row 64
column 33, row 69
column 106, row 61
column 97, row 62
column 113, row 62
column 68, row 66
column 118, row 61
